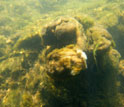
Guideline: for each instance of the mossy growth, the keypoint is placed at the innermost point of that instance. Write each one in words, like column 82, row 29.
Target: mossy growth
column 5, row 46
column 86, row 21
column 32, row 42
column 66, row 62
column 2, row 45
column 99, row 38
column 112, row 59
column 117, row 31
column 12, row 98
column 27, row 100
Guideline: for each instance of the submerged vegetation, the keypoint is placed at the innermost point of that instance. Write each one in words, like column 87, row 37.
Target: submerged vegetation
column 59, row 53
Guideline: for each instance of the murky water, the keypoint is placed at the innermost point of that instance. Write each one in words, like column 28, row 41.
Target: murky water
column 61, row 53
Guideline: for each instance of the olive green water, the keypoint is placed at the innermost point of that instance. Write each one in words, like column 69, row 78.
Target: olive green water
column 23, row 78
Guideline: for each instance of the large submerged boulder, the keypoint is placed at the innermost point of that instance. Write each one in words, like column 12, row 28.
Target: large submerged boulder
column 67, row 42
column 64, row 31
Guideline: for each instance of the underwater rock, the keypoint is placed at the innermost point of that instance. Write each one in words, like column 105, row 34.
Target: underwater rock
column 86, row 21
column 117, row 31
column 99, row 39
column 114, row 57
column 65, row 62
column 110, row 60
column 64, row 31
column 65, row 43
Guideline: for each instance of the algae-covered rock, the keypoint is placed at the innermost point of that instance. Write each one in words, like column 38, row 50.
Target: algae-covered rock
column 117, row 31
column 114, row 57
column 86, row 21
column 102, row 63
column 68, row 36
column 65, row 62
column 32, row 42
column 62, row 32
column 99, row 39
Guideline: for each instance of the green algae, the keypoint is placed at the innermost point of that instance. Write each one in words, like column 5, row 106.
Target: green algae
column 25, row 70
column 23, row 78
column 29, row 43
column 86, row 21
